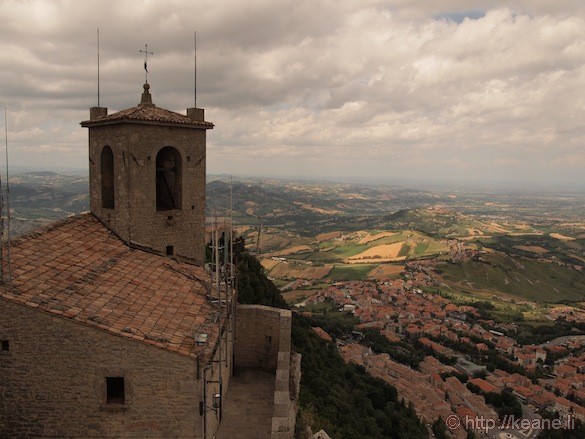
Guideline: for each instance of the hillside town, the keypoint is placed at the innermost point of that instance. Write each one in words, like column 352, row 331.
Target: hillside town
column 468, row 357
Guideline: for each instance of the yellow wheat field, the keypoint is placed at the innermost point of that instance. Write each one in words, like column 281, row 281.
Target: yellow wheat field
column 379, row 252
column 561, row 237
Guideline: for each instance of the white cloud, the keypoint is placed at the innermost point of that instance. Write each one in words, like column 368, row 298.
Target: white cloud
column 454, row 88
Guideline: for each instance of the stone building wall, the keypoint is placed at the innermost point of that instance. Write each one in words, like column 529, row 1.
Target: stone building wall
column 134, row 217
column 52, row 382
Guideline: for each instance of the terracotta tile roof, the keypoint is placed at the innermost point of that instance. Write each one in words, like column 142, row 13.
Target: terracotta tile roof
column 484, row 385
column 79, row 270
column 148, row 113
column 322, row 333
column 464, row 412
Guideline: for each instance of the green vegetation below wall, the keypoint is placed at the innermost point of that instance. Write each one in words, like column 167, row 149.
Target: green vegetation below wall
column 344, row 399
column 253, row 285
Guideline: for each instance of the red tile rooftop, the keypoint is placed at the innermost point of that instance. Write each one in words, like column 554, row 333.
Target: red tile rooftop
column 322, row 333
column 464, row 412
column 484, row 385
column 79, row 270
column 147, row 114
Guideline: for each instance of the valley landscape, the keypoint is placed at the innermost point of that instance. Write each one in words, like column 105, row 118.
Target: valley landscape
column 504, row 243
column 473, row 292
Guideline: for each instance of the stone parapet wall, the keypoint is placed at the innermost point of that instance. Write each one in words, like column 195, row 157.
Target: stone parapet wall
column 262, row 332
column 285, row 406
column 264, row 341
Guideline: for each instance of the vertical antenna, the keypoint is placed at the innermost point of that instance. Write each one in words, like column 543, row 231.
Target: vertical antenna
column 231, row 273
column 228, row 279
column 7, row 200
column 195, row 69
column 219, row 316
column 212, row 262
column 231, row 235
column 1, row 233
column 216, row 253
column 98, row 64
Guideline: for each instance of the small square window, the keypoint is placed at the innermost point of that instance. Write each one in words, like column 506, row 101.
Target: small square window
column 170, row 250
column 115, row 390
column 5, row 345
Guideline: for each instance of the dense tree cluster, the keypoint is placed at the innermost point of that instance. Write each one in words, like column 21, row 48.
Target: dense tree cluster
column 532, row 334
column 344, row 399
column 491, row 358
column 505, row 403
column 578, row 432
column 253, row 285
column 439, row 429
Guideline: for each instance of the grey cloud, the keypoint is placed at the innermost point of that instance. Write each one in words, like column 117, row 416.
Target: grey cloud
column 460, row 85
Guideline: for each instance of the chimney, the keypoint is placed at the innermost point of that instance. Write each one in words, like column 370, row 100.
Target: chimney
column 197, row 114
column 97, row 112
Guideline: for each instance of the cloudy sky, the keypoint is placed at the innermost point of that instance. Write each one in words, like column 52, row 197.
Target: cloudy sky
column 450, row 90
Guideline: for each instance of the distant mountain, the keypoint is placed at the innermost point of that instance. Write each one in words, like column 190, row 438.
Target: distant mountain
column 43, row 173
column 433, row 221
column 310, row 208
column 40, row 197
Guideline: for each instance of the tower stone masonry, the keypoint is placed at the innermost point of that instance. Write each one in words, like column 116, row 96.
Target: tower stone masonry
column 147, row 177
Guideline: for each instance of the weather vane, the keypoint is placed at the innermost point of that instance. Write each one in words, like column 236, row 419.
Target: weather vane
column 146, row 53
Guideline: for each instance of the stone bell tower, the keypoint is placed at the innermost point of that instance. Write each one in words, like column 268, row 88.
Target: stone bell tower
column 147, row 177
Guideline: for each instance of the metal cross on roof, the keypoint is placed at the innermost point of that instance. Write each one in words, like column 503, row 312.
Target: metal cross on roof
column 146, row 53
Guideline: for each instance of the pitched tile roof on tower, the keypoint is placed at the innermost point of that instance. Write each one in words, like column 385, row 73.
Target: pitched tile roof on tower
column 147, row 112
column 78, row 270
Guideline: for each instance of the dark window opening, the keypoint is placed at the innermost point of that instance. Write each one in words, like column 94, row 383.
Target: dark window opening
column 115, row 390
column 170, row 250
column 107, row 163
column 5, row 345
column 267, row 343
column 168, row 179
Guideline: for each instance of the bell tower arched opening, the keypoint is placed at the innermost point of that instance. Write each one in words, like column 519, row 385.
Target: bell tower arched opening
column 168, row 179
column 107, row 177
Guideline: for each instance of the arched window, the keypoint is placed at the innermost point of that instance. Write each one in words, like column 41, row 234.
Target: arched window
column 168, row 179
column 107, row 178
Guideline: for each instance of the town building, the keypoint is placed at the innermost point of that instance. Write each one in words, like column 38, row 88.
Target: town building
column 110, row 324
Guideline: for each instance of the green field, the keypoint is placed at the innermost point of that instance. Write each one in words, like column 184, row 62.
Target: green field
column 531, row 267
column 421, row 248
column 346, row 251
column 521, row 277
column 405, row 250
column 398, row 237
column 350, row 271
column 570, row 252
column 415, row 245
